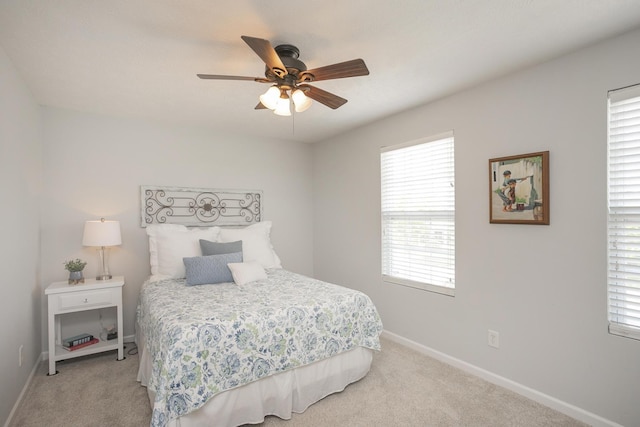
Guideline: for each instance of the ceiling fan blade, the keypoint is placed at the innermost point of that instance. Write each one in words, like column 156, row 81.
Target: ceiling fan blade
column 323, row 97
column 223, row 77
column 353, row 68
column 260, row 106
column 267, row 53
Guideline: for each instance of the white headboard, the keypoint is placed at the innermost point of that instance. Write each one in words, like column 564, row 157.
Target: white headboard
column 202, row 207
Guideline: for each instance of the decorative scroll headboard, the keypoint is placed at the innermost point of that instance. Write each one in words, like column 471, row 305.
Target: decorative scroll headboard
column 202, row 207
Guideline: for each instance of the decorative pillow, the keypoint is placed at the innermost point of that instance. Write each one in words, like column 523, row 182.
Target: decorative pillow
column 210, row 268
column 246, row 272
column 217, row 248
column 256, row 243
column 169, row 243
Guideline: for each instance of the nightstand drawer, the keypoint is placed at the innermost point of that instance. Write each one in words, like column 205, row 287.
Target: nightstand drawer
column 84, row 299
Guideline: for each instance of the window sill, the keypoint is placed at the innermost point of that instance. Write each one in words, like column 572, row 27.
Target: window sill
column 419, row 285
column 624, row 331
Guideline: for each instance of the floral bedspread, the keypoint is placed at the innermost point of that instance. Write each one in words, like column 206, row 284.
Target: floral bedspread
column 210, row 338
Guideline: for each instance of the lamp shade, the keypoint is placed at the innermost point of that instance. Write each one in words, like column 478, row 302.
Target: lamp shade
column 101, row 233
column 283, row 108
column 270, row 98
column 300, row 100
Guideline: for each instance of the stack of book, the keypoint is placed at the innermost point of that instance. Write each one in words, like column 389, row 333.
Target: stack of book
column 79, row 341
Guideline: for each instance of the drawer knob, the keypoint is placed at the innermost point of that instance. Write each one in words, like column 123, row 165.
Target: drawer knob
column 86, row 300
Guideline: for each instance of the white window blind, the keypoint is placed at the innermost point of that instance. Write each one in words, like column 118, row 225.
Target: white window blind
column 418, row 214
column 624, row 212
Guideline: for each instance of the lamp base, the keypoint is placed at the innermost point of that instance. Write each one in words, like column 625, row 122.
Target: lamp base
column 103, row 273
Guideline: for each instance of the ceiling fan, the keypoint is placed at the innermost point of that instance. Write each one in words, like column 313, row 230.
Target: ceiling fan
column 290, row 76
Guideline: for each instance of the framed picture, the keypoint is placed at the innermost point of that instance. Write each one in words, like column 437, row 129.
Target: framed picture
column 519, row 189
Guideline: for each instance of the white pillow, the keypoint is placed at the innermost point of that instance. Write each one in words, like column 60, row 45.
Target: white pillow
column 256, row 243
column 170, row 243
column 246, row 272
column 152, row 231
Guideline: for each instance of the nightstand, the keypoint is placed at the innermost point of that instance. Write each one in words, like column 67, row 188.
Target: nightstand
column 91, row 295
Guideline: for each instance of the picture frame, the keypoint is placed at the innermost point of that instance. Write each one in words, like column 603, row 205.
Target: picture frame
column 519, row 189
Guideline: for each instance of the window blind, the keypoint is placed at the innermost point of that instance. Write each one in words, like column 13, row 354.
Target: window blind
column 623, row 219
column 418, row 214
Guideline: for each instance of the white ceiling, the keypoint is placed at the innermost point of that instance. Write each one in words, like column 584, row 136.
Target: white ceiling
column 139, row 58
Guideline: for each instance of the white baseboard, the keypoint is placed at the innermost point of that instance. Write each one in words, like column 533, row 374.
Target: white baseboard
column 24, row 390
column 544, row 399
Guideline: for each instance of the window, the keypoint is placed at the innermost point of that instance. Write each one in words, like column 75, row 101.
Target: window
column 418, row 214
column 623, row 230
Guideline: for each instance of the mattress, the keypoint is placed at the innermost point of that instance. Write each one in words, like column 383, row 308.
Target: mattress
column 218, row 350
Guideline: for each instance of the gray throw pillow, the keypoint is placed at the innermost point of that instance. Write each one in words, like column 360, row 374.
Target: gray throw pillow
column 210, row 269
column 216, row 248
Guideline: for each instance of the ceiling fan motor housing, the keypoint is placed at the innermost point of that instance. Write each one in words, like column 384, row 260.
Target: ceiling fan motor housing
column 289, row 55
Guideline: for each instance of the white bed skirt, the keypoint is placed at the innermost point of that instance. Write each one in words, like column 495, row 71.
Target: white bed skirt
column 281, row 394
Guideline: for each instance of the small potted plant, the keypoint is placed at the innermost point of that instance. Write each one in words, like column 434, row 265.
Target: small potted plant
column 75, row 267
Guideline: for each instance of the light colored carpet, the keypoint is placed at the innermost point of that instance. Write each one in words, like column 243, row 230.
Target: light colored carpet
column 91, row 391
column 404, row 388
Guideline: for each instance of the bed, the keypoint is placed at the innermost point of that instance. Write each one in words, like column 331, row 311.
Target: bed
column 266, row 342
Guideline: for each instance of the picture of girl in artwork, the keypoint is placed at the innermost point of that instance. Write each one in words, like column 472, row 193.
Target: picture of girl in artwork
column 516, row 188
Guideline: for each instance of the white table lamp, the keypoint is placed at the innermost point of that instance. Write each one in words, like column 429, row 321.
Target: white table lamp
column 102, row 234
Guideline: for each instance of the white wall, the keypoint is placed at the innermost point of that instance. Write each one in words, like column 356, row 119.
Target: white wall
column 94, row 166
column 543, row 288
column 20, row 186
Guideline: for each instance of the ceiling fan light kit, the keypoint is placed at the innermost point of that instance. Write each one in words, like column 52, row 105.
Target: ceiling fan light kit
column 289, row 77
column 277, row 99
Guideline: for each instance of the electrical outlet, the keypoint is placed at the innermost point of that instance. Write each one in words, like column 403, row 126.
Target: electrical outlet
column 493, row 339
column 20, row 356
